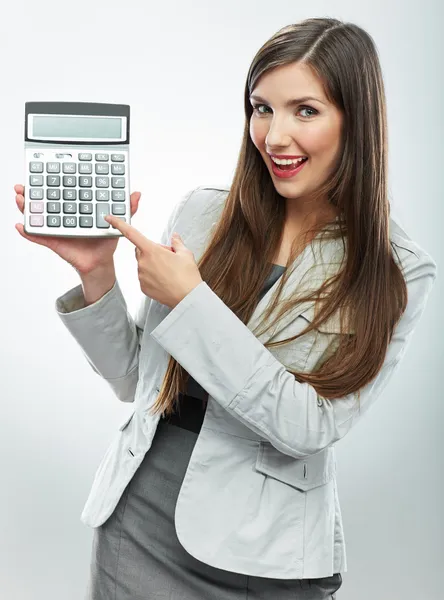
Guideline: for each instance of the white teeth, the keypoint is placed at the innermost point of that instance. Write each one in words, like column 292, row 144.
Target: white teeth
column 286, row 161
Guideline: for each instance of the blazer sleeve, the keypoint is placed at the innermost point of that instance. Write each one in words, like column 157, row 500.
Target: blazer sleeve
column 107, row 334
column 227, row 360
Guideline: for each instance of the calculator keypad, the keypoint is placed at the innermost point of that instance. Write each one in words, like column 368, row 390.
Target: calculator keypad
column 79, row 191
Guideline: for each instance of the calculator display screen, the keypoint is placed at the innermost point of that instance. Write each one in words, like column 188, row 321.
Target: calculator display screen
column 76, row 127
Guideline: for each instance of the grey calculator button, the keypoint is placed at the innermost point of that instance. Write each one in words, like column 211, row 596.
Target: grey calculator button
column 101, row 211
column 85, row 181
column 53, row 194
column 85, row 168
column 86, row 208
column 69, row 221
column 52, row 180
column 53, row 207
column 36, row 207
column 118, row 169
column 102, row 169
column 118, row 157
column 85, row 195
column 69, row 208
column 69, row 167
column 118, row 195
column 102, row 195
column 36, row 194
column 69, row 194
column 36, row 179
column 36, row 220
column 53, row 167
column 102, row 157
column 102, row 182
column 118, row 209
column 36, row 167
column 85, row 156
column 69, row 180
column 86, row 221
column 118, row 182
column 53, row 221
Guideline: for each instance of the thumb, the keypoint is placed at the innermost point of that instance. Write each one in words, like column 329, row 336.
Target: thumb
column 176, row 239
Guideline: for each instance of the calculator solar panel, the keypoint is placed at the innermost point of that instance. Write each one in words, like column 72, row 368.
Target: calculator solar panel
column 77, row 168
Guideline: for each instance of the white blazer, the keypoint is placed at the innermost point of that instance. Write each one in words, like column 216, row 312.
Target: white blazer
column 259, row 495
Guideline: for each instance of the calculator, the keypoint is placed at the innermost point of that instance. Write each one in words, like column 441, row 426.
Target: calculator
column 76, row 168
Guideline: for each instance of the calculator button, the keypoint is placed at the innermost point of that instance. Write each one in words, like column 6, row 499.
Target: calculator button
column 69, row 167
column 69, row 181
column 117, row 157
column 85, row 195
column 118, row 209
column 102, row 158
column 69, row 221
column 85, row 156
column 36, row 167
column 102, row 195
column 101, row 211
column 118, row 169
column 36, row 194
column 85, row 168
column 69, row 208
column 53, row 221
column 118, row 182
column 118, row 195
column 36, row 207
column 102, row 169
column 53, row 180
column 85, row 208
column 69, row 194
column 86, row 221
column 36, row 220
column 102, row 182
column 53, row 207
column 53, row 194
column 53, row 167
column 36, row 179
column 85, row 181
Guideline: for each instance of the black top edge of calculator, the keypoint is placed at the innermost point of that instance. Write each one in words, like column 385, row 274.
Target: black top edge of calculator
column 78, row 108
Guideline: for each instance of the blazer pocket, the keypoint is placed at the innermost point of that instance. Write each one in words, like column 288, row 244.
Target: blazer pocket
column 301, row 473
column 126, row 422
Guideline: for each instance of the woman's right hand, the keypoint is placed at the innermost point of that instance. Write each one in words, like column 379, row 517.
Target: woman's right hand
column 84, row 254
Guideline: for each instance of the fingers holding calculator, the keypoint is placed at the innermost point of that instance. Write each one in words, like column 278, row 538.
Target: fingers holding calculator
column 84, row 254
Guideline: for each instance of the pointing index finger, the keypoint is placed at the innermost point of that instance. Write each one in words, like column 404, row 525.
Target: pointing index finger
column 131, row 233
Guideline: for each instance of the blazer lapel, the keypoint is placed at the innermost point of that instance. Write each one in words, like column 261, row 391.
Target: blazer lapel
column 318, row 261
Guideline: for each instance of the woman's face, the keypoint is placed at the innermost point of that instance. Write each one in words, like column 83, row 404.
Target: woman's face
column 310, row 128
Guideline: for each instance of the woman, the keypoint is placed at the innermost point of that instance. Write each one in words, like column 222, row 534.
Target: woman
column 234, row 493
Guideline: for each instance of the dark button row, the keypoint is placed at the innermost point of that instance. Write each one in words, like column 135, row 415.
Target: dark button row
column 70, row 208
column 55, row 221
column 71, row 168
column 71, row 181
column 70, row 194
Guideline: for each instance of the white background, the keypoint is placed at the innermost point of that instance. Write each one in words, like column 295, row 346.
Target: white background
column 182, row 68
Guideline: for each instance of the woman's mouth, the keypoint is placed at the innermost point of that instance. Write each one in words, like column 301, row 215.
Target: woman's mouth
column 286, row 171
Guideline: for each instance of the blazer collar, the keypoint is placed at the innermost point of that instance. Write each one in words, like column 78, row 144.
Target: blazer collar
column 319, row 260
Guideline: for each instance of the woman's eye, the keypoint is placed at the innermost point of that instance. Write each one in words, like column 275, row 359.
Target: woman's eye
column 256, row 108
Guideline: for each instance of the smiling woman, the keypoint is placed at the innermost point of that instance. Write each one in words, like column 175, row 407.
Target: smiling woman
column 283, row 127
column 277, row 361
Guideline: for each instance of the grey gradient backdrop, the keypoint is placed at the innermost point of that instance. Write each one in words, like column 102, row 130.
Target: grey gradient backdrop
column 182, row 66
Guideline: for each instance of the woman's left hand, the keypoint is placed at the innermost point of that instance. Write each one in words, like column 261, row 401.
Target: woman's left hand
column 166, row 276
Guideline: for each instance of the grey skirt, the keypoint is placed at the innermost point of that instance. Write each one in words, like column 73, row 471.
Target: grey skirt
column 136, row 554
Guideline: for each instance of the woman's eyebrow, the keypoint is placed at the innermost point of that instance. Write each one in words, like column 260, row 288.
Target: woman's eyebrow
column 289, row 102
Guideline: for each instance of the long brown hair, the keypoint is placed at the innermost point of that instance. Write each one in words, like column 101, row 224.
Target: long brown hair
column 238, row 257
